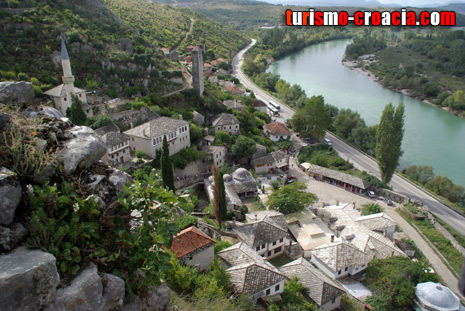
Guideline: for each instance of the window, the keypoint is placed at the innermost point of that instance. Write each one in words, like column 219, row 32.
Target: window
column 263, row 245
column 339, row 272
column 277, row 250
column 269, row 253
column 80, row 95
column 132, row 138
column 346, row 268
column 64, row 99
column 274, row 243
column 281, row 240
column 276, row 288
column 268, row 291
column 258, row 248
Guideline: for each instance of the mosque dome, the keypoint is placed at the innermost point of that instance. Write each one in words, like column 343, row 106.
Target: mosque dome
column 436, row 296
column 241, row 174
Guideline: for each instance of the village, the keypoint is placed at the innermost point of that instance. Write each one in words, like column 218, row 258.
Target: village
column 328, row 245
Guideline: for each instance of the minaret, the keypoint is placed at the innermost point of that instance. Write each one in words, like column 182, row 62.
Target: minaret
column 68, row 78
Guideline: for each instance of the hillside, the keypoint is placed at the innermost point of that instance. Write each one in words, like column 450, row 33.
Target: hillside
column 165, row 25
column 112, row 48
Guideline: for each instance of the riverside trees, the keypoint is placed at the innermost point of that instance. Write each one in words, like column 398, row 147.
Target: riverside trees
column 312, row 120
column 389, row 140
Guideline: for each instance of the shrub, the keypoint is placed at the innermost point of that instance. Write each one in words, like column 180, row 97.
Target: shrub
column 141, row 154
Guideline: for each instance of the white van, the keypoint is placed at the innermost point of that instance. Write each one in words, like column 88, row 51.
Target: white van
column 327, row 141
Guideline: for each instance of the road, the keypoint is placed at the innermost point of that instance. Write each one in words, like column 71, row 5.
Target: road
column 357, row 158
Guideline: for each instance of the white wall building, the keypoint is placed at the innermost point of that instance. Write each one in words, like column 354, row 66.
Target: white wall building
column 149, row 136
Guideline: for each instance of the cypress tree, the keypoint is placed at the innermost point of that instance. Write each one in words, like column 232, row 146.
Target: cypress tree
column 216, row 195
column 75, row 112
column 223, row 203
column 389, row 140
column 167, row 174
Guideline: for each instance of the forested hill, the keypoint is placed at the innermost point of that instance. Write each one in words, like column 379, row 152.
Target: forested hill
column 113, row 44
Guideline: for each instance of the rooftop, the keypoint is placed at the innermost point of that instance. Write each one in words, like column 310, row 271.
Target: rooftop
column 60, row 91
column 260, row 232
column 277, row 128
column 224, row 119
column 339, row 255
column 156, row 128
column 348, row 179
column 189, row 240
column 278, row 217
column 114, row 138
column 319, row 287
column 107, row 129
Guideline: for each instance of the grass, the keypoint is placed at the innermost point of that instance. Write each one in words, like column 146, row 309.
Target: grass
column 279, row 261
column 452, row 255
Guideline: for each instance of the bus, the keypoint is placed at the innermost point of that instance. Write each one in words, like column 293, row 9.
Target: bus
column 272, row 110
column 275, row 105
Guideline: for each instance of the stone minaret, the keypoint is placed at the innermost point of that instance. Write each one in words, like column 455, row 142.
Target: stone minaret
column 68, row 78
column 197, row 70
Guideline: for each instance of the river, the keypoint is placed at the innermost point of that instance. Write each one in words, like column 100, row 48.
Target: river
column 432, row 136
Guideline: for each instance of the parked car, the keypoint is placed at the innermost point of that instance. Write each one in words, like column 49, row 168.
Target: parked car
column 291, row 179
column 388, row 202
column 327, row 141
column 371, row 194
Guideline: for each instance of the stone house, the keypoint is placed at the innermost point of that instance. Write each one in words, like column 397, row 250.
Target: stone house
column 270, row 162
column 193, row 247
column 227, row 123
column 149, row 136
column 277, row 131
column 250, row 274
column 318, row 287
column 338, row 259
column 259, row 105
column 264, row 236
column 118, row 150
column 234, row 105
column 218, row 154
column 276, row 216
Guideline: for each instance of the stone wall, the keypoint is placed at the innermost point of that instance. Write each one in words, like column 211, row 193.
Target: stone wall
column 443, row 231
column 392, row 195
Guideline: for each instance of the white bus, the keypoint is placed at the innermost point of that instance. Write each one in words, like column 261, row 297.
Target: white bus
column 272, row 110
column 275, row 105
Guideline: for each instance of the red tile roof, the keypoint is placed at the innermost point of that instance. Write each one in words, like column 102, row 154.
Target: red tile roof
column 189, row 240
column 277, row 128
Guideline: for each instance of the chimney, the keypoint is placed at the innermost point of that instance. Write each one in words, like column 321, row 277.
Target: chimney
column 144, row 132
column 354, row 205
column 255, row 216
column 385, row 233
column 322, row 204
column 337, row 202
column 180, row 117
column 332, row 238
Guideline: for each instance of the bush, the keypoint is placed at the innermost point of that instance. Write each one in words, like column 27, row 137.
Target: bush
column 371, row 208
column 141, row 154
column 185, row 222
column 185, row 156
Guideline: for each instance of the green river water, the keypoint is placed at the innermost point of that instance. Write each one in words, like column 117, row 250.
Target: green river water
column 432, row 136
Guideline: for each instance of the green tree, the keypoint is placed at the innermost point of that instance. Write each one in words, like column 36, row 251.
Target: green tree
column 223, row 202
column 389, row 140
column 102, row 120
column 217, row 195
column 371, row 208
column 312, row 120
column 222, row 138
column 291, row 198
column 346, row 121
column 167, row 174
column 243, row 147
column 75, row 112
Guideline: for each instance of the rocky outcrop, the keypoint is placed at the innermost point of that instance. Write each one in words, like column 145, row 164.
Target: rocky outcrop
column 4, row 118
column 89, row 291
column 10, row 194
column 11, row 237
column 82, row 150
column 119, row 179
column 155, row 300
column 28, row 280
column 16, row 92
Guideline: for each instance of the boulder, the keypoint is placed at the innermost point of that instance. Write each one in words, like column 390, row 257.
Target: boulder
column 4, row 118
column 10, row 237
column 10, row 194
column 28, row 279
column 16, row 92
column 154, row 300
column 119, row 179
column 89, row 292
column 82, row 150
column 113, row 292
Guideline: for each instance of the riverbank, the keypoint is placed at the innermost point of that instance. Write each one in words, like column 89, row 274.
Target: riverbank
column 364, row 60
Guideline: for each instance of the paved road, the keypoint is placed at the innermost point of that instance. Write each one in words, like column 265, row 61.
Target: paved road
column 359, row 159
